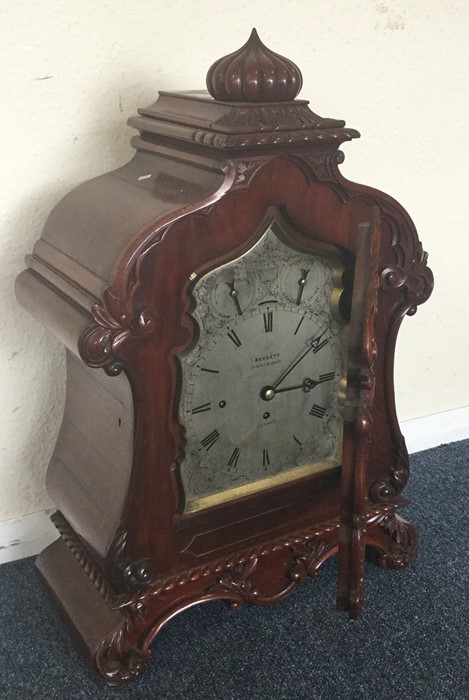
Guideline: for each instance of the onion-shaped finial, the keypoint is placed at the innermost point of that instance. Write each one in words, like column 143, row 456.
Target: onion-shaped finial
column 254, row 73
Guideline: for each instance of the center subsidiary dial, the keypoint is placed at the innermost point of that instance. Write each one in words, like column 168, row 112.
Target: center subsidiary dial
column 261, row 398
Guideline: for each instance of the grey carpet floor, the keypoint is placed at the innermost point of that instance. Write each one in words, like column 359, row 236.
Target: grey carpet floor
column 411, row 643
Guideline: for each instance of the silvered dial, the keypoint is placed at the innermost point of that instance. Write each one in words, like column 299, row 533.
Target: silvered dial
column 259, row 388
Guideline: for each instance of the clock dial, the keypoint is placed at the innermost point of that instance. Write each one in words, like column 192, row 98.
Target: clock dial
column 259, row 389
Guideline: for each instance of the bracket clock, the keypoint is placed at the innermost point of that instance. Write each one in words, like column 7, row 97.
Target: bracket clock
column 229, row 304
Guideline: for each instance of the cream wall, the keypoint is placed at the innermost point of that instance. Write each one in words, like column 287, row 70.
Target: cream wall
column 74, row 71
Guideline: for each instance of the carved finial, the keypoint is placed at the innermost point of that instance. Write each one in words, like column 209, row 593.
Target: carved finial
column 254, row 73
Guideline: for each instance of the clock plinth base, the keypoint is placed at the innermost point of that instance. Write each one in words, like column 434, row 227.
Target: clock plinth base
column 115, row 631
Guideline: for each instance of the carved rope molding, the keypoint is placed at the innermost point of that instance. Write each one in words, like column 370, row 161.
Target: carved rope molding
column 83, row 557
column 117, row 659
column 226, row 563
column 122, row 654
column 151, row 589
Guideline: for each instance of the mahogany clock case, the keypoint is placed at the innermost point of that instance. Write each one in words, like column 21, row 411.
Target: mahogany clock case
column 112, row 277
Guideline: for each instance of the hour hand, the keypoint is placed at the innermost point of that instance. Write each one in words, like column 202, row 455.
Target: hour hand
column 306, row 385
column 268, row 392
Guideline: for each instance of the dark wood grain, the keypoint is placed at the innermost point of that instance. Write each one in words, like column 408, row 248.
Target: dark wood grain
column 357, row 413
column 111, row 278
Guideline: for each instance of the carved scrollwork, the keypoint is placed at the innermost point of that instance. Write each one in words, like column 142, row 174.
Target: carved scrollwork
column 323, row 167
column 388, row 489
column 403, row 541
column 127, row 575
column 416, row 280
column 237, row 584
column 307, row 558
column 114, row 322
column 206, row 571
column 115, row 659
column 308, row 549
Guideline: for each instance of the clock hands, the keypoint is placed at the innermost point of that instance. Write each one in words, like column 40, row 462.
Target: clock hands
column 268, row 392
column 301, row 284
column 315, row 345
column 234, row 294
column 306, row 385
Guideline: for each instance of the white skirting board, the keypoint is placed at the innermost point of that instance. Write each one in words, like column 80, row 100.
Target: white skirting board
column 438, row 429
column 28, row 535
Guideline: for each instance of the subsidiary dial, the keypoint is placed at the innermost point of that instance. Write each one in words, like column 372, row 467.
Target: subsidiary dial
column 232, row 291
column 303, row 280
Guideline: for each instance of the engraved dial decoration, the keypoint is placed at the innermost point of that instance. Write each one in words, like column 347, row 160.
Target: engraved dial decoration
column 259, row 387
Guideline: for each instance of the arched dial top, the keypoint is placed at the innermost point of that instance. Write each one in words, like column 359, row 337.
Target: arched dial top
column 259, row 397
column 254, row 73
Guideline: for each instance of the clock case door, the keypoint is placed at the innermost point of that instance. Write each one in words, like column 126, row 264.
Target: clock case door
column 357, row 414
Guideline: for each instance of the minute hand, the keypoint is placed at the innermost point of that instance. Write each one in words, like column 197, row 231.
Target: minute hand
column 314, row 345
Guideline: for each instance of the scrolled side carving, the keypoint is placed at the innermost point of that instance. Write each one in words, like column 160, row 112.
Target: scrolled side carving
column 389, row 488
column 323, row 167
column 402, row 544
column 114, row 323
column 115, row 660
column 127, row 575
column 416, row 280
